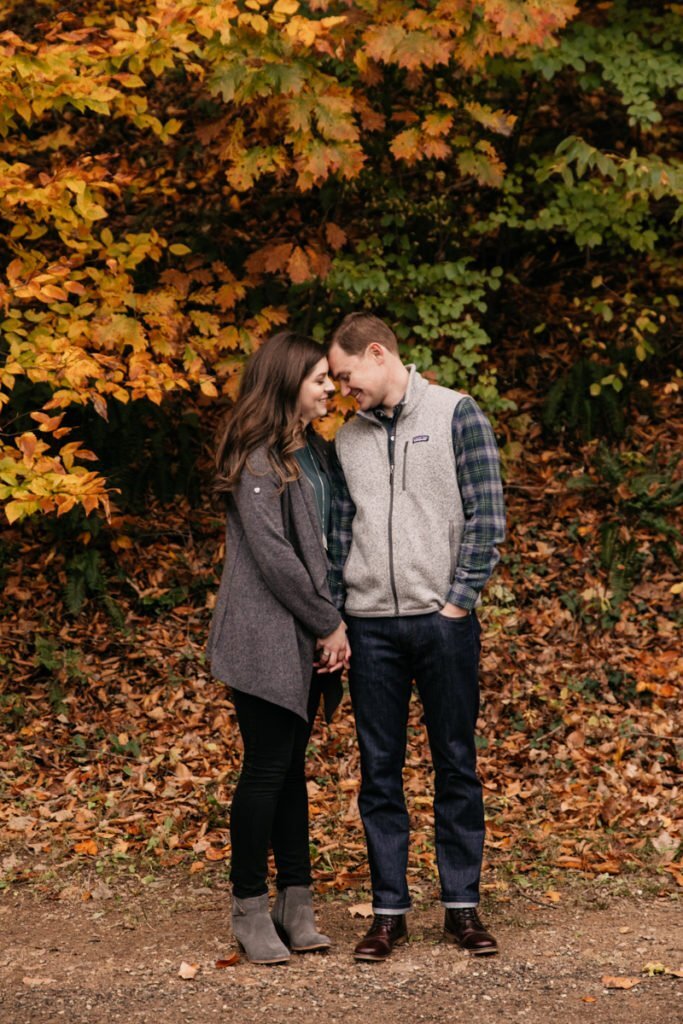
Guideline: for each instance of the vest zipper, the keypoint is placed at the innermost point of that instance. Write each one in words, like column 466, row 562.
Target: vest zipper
column 392, row 467
column 405, row 464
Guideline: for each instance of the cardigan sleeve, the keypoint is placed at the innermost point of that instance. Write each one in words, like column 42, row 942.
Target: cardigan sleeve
column 259, row 507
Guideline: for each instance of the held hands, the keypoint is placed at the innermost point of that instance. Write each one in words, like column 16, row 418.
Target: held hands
column 333, row 651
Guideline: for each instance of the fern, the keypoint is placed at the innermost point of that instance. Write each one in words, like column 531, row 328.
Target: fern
column 114, row 611
column 570, row 403
column 555, row 403
column 647, row 501
column 74, row 594
column 608, row 543
column 625, row 572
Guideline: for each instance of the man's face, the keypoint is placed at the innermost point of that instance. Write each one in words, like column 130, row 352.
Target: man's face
column 364, row 377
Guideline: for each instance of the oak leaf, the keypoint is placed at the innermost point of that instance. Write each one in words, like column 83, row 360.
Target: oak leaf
column 610, row 981
column 230, row 961
column 360, row 910
column 335, row 235
column 88, row 847
column 405, row 145
column 298, row 266
column 277, row 257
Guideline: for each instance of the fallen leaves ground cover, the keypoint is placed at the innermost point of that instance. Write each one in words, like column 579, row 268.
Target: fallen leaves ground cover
column 118, row 747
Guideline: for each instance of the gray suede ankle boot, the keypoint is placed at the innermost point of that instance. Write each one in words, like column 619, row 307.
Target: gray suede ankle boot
column 255, row 932
column 293, row 917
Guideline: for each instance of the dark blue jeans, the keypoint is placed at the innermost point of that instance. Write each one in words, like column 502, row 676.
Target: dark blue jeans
column 442, row 656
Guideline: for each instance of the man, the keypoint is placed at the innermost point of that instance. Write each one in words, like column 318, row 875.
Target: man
column 416, row 542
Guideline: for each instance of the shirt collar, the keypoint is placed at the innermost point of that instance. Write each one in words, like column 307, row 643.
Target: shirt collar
column 379, row 412
column 416, row 383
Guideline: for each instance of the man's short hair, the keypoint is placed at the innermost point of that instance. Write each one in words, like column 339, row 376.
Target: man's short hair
column 358, row 330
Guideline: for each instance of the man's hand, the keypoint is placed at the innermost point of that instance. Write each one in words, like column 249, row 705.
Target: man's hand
column 452, row 611
column 333, row 651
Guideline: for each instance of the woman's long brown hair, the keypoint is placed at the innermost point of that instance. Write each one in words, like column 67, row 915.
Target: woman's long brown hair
column 265, row 412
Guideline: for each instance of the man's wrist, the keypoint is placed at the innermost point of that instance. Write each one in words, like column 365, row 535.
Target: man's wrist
column 454, row 611
column 462, row 596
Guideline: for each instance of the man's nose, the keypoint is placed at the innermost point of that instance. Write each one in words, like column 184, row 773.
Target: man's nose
column 345, row 389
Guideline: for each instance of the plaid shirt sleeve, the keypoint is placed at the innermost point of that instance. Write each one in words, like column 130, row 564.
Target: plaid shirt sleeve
column 478, row 467
column 339, row 536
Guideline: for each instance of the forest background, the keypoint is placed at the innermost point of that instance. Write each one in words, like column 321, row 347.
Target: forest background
column 501, row 180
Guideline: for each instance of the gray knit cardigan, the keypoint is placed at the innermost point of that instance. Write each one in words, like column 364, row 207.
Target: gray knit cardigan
column 273, row 600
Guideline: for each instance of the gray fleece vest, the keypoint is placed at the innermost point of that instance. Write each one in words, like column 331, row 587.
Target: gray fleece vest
column 409, row 517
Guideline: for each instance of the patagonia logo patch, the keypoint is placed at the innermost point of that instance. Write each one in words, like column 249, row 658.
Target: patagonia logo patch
column 420, row 437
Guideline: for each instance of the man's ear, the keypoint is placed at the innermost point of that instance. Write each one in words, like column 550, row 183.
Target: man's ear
column 377, row 352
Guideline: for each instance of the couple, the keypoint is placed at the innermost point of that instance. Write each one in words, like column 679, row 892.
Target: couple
column 398, row 528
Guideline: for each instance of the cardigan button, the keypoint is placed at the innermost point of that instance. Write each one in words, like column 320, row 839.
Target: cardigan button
column 257, row 490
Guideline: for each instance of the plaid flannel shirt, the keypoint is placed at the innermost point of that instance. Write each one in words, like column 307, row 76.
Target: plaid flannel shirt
column 478, row 470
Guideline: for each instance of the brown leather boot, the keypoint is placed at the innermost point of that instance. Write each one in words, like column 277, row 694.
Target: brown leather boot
column 463, row 927
column 385, row 932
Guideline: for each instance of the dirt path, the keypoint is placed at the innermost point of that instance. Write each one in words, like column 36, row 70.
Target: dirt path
column 99, row 954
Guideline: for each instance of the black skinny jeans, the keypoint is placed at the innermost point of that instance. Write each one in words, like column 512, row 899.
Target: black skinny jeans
column 270, row 803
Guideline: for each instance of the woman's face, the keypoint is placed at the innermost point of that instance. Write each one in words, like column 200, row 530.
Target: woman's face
column 315, row 389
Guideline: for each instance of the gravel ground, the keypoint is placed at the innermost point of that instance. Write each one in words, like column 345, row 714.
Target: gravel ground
column 103, row 953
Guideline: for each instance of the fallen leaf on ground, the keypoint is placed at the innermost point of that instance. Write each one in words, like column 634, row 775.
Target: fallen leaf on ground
column 35, row 982
column 187, row 971
column 361, row 910
column 576, row 739
column 70, row 892
column 17, row 823
column 666, row 846
column 233, row 959
column 553, row 896
column 588, row 999
column 653, row 968
column 213, row 854
column 625, row 983
column 87, row 847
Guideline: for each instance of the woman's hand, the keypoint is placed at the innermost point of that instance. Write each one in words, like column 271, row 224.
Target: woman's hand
column 333, row 651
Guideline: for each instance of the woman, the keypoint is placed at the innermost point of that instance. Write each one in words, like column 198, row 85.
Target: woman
column 273, row 611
